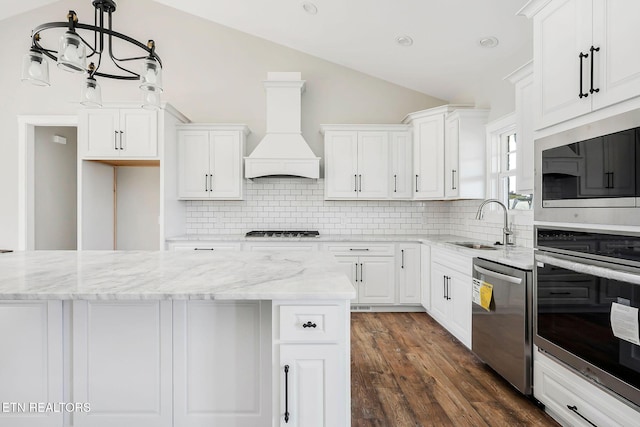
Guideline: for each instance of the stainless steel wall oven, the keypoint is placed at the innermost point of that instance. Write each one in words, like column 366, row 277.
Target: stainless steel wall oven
column 590, row 174
column 586, row 302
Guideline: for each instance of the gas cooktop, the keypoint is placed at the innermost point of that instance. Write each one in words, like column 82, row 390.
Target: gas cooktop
column 282, row 233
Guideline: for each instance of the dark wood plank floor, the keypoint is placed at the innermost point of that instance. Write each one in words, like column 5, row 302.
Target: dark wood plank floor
column 406, row 370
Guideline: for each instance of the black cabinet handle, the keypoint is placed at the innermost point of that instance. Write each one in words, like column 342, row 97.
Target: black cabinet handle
column 211, row 182
column 582, row 56
column 448, row 287
column 356, row 272
column 115, row 140
column 355, row 182
column 559, row 293
column 395, row 183
column 286, row 393
column 574, row 409
column 360, row 183
column 206, row 182
column 453, row 179
column 361, row 272
column 444, row 287
column 402, row 252
column 416, row 183
column 593, row 49
column 121, row 146
column 359, row 249
column 203, row 249
column 309, row 325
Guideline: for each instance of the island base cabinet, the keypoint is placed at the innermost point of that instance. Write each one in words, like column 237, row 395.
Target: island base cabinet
column 30, row 362
column 122, row 363
column 222, row 363
column 310, row 382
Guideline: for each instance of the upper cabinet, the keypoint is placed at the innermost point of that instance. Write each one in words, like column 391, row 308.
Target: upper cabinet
column 448, row 152
column 366, row 162
column 117, row 133
column 210, row 161
column 583, row 56
column 464, row 175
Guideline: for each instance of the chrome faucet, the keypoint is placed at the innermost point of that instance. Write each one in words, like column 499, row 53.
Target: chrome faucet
column 506, row 231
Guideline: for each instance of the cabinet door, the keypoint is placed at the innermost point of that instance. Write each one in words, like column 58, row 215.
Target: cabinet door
column 408, row 268
column 32, row 364
column 460, row 318
column 452, row 169
column 561, row 31
column 313, row 391
column 193, row 164
column 616, row 33
column 401, row 167
column 373, row 165
column 226, row 165
column 341, row 165
column 99, row 133
column 439, row 290
column 377, row 280
column 139, row 133
column 122, row 363
column 222, row 368
column 428, row 150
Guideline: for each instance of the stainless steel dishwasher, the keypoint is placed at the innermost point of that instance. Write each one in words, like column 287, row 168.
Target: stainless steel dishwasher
column 502, row 336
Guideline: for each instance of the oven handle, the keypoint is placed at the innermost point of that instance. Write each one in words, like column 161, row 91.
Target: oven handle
column 592, row 270
column 506, row 278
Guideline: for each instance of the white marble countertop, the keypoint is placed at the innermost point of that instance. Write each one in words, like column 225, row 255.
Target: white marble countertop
column 126, row 275
column 516, row 256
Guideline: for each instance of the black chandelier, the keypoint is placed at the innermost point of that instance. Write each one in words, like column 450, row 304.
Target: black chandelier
column 74, row 50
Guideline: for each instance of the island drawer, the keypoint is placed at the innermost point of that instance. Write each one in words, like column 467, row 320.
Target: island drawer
column 309, row 322
column 360, row 249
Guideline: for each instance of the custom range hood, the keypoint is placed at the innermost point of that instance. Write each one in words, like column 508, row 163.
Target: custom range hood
column 283, row 150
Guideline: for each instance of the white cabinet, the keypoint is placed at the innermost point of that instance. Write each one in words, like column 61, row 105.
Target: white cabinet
column 371, row 268
column 365, row 162
column 574, row 401
column 221, row 371
column 428, row 153
column 109, row 133
column 408, row 263
column 32, row 362
column 425, row 276
column 204, row 246
column 451, row 293
column 464, row 174
column 210, row 161
column 400, row 154
column 122, row 363
column 522, row 78
column 312, row 377
column 583, row 57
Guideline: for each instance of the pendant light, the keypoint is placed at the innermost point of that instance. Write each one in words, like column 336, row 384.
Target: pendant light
column 74, row 50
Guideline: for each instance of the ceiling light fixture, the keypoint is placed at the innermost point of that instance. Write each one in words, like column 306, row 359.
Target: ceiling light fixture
column 74, row 49
column 488, row 42
column 404, row 40
column 309, row 7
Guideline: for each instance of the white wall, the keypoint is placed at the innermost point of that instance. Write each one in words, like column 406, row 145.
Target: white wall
column 211, row 73
column 138, row 208
column 55, row 186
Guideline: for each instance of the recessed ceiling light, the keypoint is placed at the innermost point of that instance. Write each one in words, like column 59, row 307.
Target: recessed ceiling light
column 488, row 42
column 404, row 40
column 309, row 7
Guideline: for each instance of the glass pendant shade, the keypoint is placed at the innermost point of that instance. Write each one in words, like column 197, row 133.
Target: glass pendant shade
column 91, row 95
column 35, row 69
column 151, row 76
column 71, row 54
column 150, row 99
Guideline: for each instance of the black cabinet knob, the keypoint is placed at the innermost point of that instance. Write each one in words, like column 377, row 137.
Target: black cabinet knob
column 309, row 325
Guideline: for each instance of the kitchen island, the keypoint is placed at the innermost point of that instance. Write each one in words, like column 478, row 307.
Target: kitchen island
column 174, row 339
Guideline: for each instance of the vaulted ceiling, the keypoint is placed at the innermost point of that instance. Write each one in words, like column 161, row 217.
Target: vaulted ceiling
column 445, row 59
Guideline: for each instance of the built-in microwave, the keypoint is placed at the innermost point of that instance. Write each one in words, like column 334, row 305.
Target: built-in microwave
column 590, row 174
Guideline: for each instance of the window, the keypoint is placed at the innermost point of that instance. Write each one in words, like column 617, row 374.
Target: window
column 502, row 167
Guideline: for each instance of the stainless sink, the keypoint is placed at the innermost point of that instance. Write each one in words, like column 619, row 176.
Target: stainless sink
column 473, row 245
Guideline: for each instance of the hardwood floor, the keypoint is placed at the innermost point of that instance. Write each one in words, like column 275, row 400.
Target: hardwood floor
column 406, row 370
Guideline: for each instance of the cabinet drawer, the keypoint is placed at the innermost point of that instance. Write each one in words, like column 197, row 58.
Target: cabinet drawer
column 309, row 322
column 360, row 249
column 572, row 397
column 204, row 246
column 452, row 260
